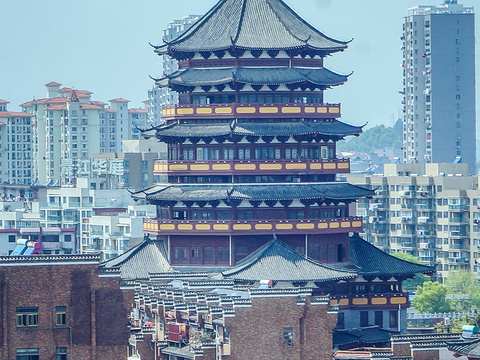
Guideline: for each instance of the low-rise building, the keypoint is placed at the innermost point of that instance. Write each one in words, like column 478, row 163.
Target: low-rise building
column 61, row 307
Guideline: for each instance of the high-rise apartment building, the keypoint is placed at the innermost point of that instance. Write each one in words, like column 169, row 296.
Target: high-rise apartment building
column 158, row 97
column 439, row 84
column 68, row 128
column 15, row 146
column 435, row 217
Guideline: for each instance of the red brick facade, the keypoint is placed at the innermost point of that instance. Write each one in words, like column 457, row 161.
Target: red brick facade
column 95, row 321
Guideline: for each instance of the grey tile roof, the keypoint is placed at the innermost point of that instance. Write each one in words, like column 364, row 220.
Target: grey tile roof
column 372, row 261
column 327, row 128
column 289, row 191
column 350, row 338
column 254, row 76
column 277, row 262
column 251, row 24
column 469, row 348
column 137, row 263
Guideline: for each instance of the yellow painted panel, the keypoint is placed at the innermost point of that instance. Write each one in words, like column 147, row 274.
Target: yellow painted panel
column 270, row 166
column 307, row 226
column 263, row 227
column 343, row 165
column 379, row 301
column 242, row 227
column 245, row 167
column 221, row 167
column 167, row 227
column 178, row 167
column 343, row 302
column 329, row 166
column 296, row 166
column 345, row 224
column 398, row 300
column 315, row 166
column 322, row 225
column 185, row 111
column 202, row 227
column 223, row 110
column 357, row 224
column 360, row 301
column 334, row 225
column 204, row 111
column 291, row 110
column 309, row 110
column 322, row 110
column 284, row 226
column 185, row 227
column 333, row 302
column 268, row 110
column 221, row 227
column 246, row 110
column 334, row 110
column 199, row 167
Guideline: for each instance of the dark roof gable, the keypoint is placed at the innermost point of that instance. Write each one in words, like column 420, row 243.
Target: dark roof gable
column 372, row 261
column 251, row 24
column 277, row 262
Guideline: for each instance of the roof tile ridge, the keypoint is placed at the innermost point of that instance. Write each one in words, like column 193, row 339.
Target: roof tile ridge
column 240, row 22
column 285, row 25
column 187, row 34
column 289, row 9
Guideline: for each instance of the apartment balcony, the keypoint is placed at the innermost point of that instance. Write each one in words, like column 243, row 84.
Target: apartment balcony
column 460, row 207
column 251, row 167
column 248, row 111
column 396, row 299
column 241, row 227
column 458, row 221
column 458, row 234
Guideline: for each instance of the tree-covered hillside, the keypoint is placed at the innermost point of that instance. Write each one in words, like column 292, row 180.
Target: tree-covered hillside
column 377, row 137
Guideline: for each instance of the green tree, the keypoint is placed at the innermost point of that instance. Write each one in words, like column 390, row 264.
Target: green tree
column 464, row 290
column 377, row 137
column 431, row 298
column 412, row 284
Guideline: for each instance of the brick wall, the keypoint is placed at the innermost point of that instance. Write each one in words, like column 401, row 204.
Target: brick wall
column 96, row 313
column 257, row 332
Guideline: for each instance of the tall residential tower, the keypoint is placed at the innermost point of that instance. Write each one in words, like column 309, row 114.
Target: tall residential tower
column 439, row 84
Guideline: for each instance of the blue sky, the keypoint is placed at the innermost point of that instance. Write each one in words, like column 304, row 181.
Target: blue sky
column 102, row 46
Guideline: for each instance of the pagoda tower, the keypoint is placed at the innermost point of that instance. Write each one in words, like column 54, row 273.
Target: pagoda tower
column 252, row 143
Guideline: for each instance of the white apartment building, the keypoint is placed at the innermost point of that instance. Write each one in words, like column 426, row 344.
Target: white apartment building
column 16, row 137
column 439, row 84
column 69, row 127
column 76, row 206
column 158, row 97
column 435, row 217
column 20, row 222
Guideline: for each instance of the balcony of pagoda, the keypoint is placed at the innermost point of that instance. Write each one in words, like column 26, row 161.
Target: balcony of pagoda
column 393, row 300
column 251, row 167
column 251, row 111
column 250, row 227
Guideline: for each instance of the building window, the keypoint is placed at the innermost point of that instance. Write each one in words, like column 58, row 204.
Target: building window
column 340, row 321
column 67, row 238
column 11, row 238
column 61, row 315
column 363, row 318
column 27, row 316
column 27, row 354
column 61, row 353
column 379, row 318
column 393, row 319
column 287, row 336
